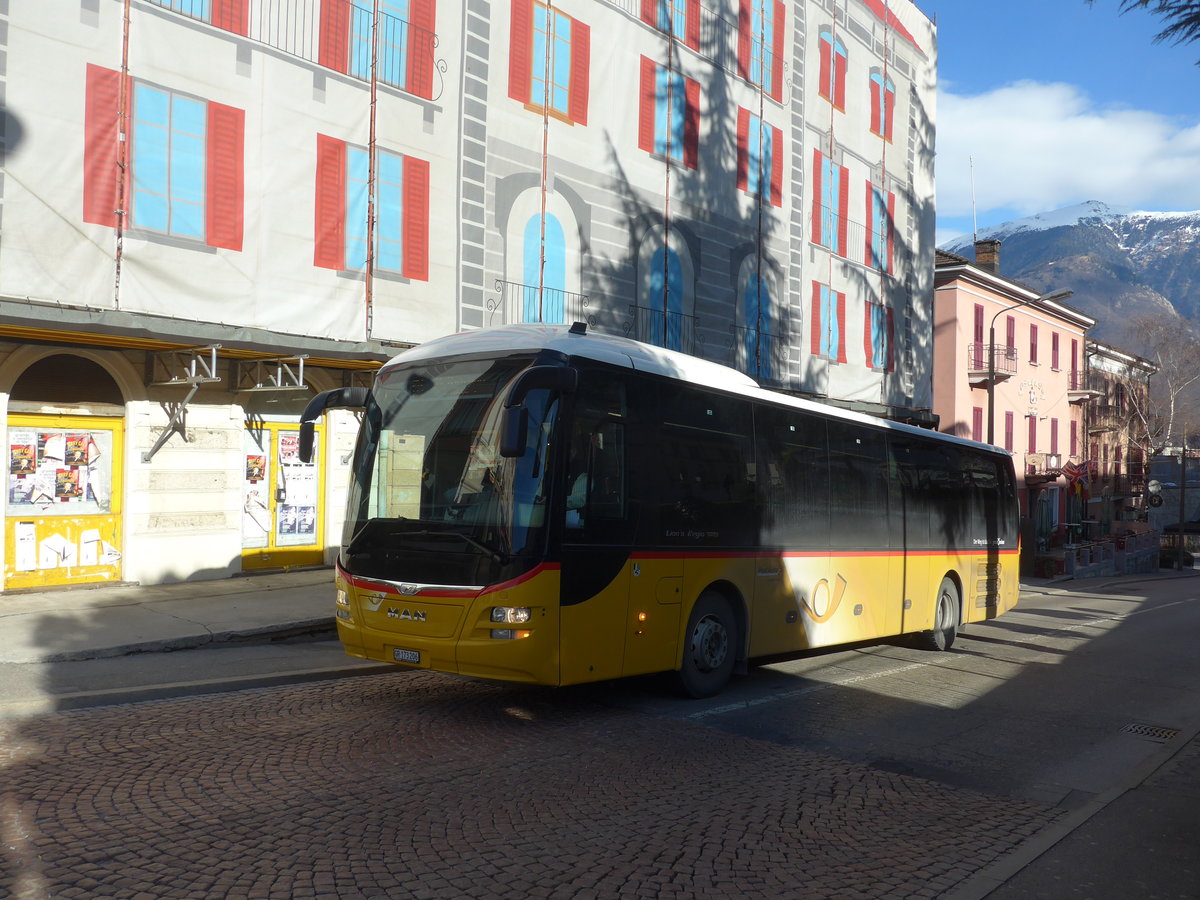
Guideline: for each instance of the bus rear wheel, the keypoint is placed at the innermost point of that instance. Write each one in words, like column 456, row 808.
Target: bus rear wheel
column 945, row 619
column 710, row 647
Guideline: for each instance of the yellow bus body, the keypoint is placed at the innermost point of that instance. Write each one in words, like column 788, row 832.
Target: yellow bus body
column 787, row 603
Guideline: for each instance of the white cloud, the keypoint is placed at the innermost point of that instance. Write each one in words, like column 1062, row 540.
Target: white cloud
column 1037, row 147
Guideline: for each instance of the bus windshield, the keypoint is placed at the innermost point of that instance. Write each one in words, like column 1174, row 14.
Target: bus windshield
column 432, row 500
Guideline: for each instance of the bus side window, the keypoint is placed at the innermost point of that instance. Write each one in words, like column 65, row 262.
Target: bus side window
column 794, row 485
column 858, row 486
column 707, row 489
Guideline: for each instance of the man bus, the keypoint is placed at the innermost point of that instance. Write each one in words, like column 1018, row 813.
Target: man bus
column 539, row 504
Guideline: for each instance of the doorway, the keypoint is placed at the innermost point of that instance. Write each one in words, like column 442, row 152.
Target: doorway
column 63, row 508
column 282, row 509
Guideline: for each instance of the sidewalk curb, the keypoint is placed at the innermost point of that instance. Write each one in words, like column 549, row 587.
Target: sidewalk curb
column 267, row 634
column 998, row 872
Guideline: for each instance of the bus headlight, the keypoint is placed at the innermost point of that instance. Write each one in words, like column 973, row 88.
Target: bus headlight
column 341, row 599
column 511, row 615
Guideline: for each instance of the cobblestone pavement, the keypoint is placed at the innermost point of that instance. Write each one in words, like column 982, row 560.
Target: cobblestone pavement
column 424, row 786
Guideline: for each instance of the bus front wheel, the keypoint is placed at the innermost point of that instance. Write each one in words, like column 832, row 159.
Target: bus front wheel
column 710, row 647
column 945, row 619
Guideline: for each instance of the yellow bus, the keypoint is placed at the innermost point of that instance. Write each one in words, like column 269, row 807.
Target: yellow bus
column 539, row 504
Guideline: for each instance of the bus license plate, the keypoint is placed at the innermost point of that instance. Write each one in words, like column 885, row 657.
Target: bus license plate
column 408, row 656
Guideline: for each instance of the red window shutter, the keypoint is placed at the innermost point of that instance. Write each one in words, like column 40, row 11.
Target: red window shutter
column 520, row 53
column 816, row 319
column 824, row 88
column 646, row 91
column 841, row 317
column 334, row 49
column 977, row 423
column 843, row 211
column 692, row 14
column 1032, row 434
column 650, row 12
column 978, row 324
column 889, row 112
column 743, row 149
column 839, row 76
column 868, row 344
column 420, row 48
column 101, row 136
column 869, row 237
column 876, row 109
column 416, row 218
column 224, row 177
column 231, row 15
column 777, row 63
column 330, row 226
column 691, row 125
column 777, row 166
column 581, row 51
column 817, row 188
column 743, row 61
column 891, row 231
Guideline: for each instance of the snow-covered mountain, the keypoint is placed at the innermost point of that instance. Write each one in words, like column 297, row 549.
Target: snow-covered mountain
column 1121, row 263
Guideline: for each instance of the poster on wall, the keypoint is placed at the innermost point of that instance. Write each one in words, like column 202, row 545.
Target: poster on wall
column 22, row 453
column 296, row 517
column 256, row 510
column 59, row 472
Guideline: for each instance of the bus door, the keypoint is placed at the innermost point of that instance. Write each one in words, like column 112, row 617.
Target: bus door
column 611, row 623
column 915, row 464
column 282, row 515
column 792, row 595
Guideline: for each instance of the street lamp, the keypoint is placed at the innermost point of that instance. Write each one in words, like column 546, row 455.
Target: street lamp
column 1061, row 294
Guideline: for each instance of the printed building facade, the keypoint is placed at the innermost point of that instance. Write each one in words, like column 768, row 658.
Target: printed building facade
column 213, row 208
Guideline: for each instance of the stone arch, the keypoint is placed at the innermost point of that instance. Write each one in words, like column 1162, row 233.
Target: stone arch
column 124, row 376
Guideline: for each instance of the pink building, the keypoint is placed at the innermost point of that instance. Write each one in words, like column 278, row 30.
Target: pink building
column 1005, row 352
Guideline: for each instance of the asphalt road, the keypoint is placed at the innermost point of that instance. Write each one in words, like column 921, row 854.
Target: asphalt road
column 875, row 771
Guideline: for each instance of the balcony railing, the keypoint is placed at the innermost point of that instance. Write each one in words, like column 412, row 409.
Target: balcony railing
column 404, row 55
column 672, row 330
column 528, row 303
column 984, row 359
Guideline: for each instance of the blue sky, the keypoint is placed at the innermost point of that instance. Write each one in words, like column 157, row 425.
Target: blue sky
column 1059, row 102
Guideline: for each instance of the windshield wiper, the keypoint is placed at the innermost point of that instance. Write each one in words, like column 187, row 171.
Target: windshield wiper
column 495, row 554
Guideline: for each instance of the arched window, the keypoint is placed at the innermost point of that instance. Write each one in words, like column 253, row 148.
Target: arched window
column 833, row 69
column 66, row 379
column 756, row 332
column 883, row 104
column 665, row 300
column 550, row 305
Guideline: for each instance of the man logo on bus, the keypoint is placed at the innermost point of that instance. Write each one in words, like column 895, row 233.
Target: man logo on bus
column 416, row 615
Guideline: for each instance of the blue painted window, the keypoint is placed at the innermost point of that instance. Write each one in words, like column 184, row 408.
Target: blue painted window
column 552, row 35
column 389, row 212
column 666, row 292
column 670, row 107
column 200, row 9
column 830, row 337
column 831, row 200
column 550, row 307
column 756, row 309
column 762, row 40
column 169, row 133
column 357, row 179
column 760, row 148
column 879, row 229
column 677, row 24
column 392, row 40
column 881, row 336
